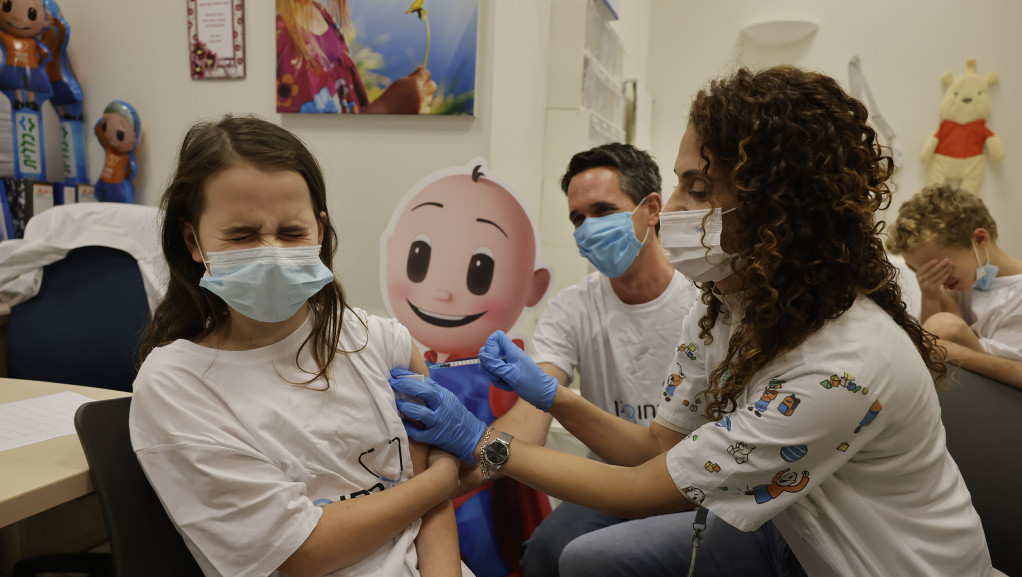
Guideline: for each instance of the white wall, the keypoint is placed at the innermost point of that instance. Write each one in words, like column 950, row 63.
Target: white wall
column 904, row 47
column 137, row 51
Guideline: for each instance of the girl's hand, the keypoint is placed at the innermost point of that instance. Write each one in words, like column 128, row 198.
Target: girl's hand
column 446, row 463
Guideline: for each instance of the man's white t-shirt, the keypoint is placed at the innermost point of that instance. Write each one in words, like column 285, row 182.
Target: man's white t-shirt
column 995, row 315
column 620, row 350
column 839, row 442
column 243, row 460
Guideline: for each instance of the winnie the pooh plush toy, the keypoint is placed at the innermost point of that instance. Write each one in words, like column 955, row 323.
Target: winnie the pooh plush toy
column 954, row 152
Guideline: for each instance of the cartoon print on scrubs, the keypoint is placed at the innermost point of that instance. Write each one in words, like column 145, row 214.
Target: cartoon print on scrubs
column 870, row 415
column 458, row 262
column 741, row 451
column 769, row 394
column 694, row 494
column 785, row 481
column 845, row 381
column 672, row 382
column 689, row 349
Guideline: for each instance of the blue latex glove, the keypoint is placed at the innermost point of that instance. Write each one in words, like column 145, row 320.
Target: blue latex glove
column 518, row 372
column 446, row 423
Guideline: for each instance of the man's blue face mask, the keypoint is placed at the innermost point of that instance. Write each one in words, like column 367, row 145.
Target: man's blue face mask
column 986, row 273
column 609, row 242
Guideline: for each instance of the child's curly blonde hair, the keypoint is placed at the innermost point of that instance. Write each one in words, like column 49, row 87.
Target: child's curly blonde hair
column 941, row 213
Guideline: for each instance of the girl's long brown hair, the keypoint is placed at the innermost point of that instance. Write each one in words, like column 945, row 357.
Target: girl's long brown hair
column 190, row 312
column 810, row 177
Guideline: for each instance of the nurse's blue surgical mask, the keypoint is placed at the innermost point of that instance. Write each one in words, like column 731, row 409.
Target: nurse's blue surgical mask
column 986, row 273
column 609, row 242
column 268, row 284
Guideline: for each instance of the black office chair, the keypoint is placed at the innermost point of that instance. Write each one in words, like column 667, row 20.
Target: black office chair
column 983, row 420
column 143, row 541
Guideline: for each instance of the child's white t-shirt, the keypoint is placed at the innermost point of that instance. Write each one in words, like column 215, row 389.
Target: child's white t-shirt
column 243, row 460
column 619, row 349
column 839, row 442
column 995, row 315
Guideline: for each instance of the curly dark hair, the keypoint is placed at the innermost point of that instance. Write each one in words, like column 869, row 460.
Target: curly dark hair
column 190, row 312
column 810, row 176
column 638, row 173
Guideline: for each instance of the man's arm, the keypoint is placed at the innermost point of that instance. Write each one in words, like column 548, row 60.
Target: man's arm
column 1007, row 371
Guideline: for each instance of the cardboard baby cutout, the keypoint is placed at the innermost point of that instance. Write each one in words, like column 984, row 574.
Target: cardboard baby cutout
column 458, row 262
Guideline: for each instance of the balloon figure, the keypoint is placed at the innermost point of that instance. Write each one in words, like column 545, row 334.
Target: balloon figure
column 67, row 95
column 118, row 131
column 23, row 81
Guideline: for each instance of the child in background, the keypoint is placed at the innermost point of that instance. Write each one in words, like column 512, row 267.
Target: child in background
column 971, row 288
column 261, row 414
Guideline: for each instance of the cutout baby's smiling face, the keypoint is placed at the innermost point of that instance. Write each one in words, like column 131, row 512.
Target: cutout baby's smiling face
column 460, row 264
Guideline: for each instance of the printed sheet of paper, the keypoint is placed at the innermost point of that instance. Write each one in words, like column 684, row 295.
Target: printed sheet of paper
column 38, row 419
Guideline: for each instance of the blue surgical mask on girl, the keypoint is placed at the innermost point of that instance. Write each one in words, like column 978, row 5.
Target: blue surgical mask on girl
column 609, row 242
column 986, row 273
column 268, row 284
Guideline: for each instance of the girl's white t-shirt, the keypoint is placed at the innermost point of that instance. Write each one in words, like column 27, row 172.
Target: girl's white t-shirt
column 243, row 460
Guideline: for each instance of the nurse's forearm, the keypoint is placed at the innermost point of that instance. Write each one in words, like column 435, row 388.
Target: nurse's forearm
column 629, row 492
column 614, row 439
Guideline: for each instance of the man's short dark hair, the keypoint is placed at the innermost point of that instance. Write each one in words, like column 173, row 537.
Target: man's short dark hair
column 638, row 173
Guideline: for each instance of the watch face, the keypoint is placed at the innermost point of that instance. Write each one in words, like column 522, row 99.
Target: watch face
column 496, row 453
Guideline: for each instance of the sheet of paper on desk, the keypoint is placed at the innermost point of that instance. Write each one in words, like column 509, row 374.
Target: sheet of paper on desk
column 38, row 419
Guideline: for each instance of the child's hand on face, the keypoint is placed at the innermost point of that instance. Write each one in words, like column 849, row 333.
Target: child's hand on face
column 932, row 276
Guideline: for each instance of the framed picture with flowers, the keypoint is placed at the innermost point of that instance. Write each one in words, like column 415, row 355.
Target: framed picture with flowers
column 377, row 56
column 216, row 38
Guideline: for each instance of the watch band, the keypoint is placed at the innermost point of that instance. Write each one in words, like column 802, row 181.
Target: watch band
column 501, row 448
column 482, row 454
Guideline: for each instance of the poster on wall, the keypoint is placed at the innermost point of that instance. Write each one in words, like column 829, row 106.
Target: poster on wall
column 216, row 38
column 377, row 56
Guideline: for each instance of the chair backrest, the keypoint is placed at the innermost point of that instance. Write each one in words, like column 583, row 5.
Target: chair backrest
column 84, row 326
column 143, row 541
column 983, row 420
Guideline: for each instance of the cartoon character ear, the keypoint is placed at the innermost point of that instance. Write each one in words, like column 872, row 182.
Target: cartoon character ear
column 992, row 78
column 947, row 78
column 540, row 283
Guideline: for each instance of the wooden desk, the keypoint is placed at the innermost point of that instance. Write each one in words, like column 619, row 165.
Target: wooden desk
column 40, row 476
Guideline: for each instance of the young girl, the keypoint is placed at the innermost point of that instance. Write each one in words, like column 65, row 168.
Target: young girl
column 316, row 73
column 261, row 413
column 802, row 390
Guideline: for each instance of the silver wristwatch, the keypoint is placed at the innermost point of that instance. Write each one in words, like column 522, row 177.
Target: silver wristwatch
column 495, row 454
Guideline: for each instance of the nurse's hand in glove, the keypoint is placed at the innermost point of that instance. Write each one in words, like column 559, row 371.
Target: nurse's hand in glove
column 446, row 423
column 518, row 372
